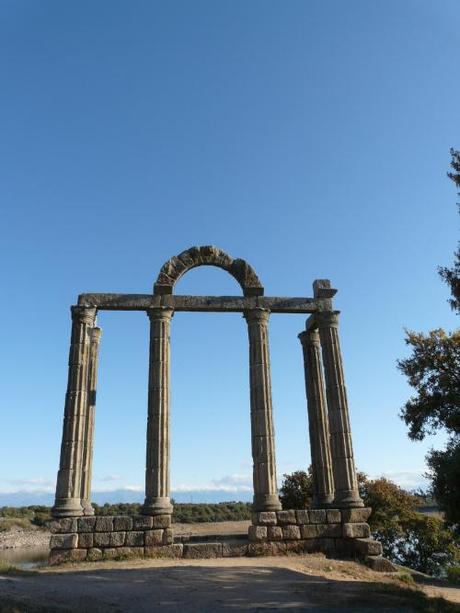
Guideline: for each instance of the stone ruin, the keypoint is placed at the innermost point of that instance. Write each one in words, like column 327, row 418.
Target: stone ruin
column 336, row 523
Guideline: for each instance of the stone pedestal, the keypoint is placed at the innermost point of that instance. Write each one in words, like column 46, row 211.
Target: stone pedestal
column 89, row 423
column 263, row 445
column 69, row 479
column 157, row 488
column 323, row 480
column 343, row 465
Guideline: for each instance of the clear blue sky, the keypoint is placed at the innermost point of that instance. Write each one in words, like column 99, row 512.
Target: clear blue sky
column 309, row 138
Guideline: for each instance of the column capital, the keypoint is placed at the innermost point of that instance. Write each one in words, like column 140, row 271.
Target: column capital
column 309, row 337
column 257, row 315
column 84, row 315
column 327, row 319
column 161, row 313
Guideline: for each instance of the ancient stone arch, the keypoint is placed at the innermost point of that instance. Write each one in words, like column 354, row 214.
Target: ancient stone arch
column 337, row 515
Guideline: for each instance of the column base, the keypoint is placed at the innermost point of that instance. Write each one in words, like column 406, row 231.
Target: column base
column 266, row 502
column 325, row 501
column 161, row 505
column 348, row 499
column 67, row 507
column 87, row 507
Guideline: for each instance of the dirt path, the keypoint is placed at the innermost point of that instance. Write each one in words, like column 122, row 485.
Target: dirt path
column 309, row 583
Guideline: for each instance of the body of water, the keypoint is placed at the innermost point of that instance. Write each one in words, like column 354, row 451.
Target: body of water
column 26, row 557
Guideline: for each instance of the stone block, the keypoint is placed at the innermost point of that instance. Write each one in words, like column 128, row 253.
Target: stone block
column 327, row 545
column 142, row 522
column 274, row 548
column 367, row 547
column 117, row 539
column 104, row 524
column 379, row 564
column 122, row 523
column 274, row 533
column 354, row 531
column 291, row 533
column 298, row 546
column 161, row 521
column 309, row 531
column 153, row 538
column 94, row 554
column 284, row 518
column 86, row 524
column 85, row 540
column 235, row 550
column 264, row 518
column 167, row 551
column 101, row 539
column 64, row 541
column 124, row 553
column 317, row 516
column 134, row 539
column 64, row 525
column 302, row 516
column 202, row 550
column 62, row 556
column 329, row 530
column 257, row 533
column 356, row 516
column 168, row 537
column 333, row 516
column 110, row 553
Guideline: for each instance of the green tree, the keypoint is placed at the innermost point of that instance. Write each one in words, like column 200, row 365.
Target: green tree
column 433, row 370
column 296, row 490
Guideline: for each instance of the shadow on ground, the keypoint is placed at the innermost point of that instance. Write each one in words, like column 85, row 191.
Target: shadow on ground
column 201, row 589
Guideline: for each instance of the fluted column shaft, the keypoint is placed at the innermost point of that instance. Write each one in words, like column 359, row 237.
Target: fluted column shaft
column 323, row 480
column 262, row 431
column 157, row 485
column 69, row 479
column 89, row 423
column 345, row 481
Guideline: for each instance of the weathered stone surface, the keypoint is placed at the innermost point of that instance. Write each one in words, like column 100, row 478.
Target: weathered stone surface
column 166, row 551
column 302, row 516
column 309, row 531
column 274, row 533
column 61, row 556
column 101, row 539
column 110, row 553
column 379, row 564
column 264, row 518
column 117, row 539
column 123, row 553
column 367, row 547
column 291, row 533
column 86, row 524
column 154, row 537
column 334, row 516
column 234, row 550
column 354, row 531
column 317, row 516
column 274, row 548
column 65, row 525
column 327, row 545
column 64, row 541
column 104, row 524
column 85, row 540
column 142, row 522
column 352, row 516
column 301, row 546
column 122, row 523
column 134, row 539
column 94, row 554
column 161, row 521
column 329, row 530
column 168, row 537
column 257, row 533
column 202, row 550
column 286, row 517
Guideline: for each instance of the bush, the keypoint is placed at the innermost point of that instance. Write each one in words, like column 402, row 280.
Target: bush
column 453, row 574
column 296, row 490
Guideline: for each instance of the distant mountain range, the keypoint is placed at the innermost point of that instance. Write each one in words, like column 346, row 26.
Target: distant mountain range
column 24, row 499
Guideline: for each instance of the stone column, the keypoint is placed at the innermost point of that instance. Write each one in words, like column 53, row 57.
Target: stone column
column 343, row 465
column 89, row 423
column 157, row 489
column 69, row 479
column 262, row 431
column 323, row 480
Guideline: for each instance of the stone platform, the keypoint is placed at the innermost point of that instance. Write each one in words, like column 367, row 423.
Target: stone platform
column 334, row 532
